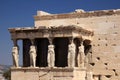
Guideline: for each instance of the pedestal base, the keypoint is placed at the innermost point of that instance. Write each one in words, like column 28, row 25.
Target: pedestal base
column 29, row 73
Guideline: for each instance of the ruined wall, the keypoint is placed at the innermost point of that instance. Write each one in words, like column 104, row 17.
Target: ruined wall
column 105, row 44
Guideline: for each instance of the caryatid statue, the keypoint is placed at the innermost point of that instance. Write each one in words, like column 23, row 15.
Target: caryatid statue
column 15, row 54
column 32, row 56
column 51, row 56
column 71, row 55
column 81, row 56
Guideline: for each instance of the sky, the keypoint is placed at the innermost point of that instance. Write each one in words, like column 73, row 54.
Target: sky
column 19, row 13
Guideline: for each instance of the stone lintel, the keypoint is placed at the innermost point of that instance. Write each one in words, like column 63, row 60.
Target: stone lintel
column 45, row 32
column 78, row 14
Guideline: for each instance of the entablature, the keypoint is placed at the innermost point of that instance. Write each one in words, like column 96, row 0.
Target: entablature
column 52, row 31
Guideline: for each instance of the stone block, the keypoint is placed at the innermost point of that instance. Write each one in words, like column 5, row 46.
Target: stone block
column 48, row 74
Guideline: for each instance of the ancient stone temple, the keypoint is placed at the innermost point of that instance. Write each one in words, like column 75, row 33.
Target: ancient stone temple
column 72, row 46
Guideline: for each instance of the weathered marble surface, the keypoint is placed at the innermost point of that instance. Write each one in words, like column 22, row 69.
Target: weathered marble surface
column 51, row 56
column 81, row 57
column 15, row 54
column 32, row 56
column 71, row 55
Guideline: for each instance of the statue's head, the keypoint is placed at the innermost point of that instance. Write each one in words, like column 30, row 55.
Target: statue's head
column 15, row 48
column 32, row 47
column 51, row 46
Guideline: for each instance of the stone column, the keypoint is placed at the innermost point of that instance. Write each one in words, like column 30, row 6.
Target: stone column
column 33, row 55
column 81, row 56
column 88, row 56
column 51, row 54
column 71, row 54
column 15, row 54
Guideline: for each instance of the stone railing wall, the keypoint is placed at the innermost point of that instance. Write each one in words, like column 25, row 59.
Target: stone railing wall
column 78, row 15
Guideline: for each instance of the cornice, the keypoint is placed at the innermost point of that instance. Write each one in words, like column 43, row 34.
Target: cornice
column 78, row 15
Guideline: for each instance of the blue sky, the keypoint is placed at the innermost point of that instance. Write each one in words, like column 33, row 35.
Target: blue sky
column 19, row 13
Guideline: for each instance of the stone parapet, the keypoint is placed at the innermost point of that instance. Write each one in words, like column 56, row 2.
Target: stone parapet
column 78, row 15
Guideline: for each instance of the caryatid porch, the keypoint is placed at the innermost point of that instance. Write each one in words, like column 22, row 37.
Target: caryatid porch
column 62, row 46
